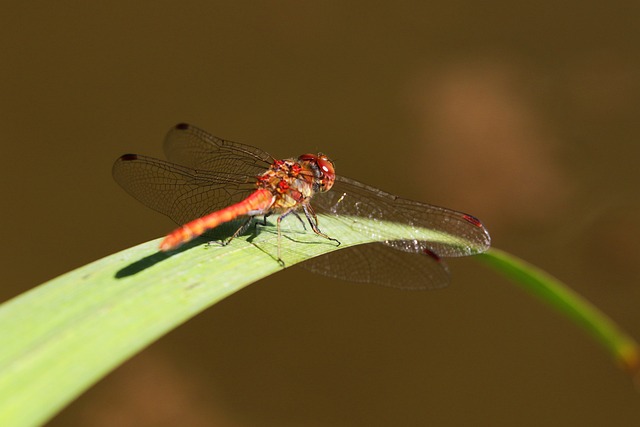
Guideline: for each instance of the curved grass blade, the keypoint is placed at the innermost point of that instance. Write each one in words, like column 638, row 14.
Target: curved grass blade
column 622, row 347
column 61, row 337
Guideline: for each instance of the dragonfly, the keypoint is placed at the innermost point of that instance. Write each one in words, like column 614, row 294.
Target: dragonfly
column 208, row 181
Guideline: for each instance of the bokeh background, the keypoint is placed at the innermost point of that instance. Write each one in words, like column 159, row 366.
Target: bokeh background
column 524, row 114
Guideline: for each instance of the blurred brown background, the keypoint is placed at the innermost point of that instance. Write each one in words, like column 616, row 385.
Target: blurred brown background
column 525, row 115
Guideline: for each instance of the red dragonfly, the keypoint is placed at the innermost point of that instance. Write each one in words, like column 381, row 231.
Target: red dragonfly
column 213, row 181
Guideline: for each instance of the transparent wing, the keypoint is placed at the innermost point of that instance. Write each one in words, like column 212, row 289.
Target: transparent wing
column 378, row 263
column 181, row 193
column 205, row 174
column 459, row 234
column 189, row 146
column 413, row 263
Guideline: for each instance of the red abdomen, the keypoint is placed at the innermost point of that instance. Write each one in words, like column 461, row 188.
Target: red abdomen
column 259, row 201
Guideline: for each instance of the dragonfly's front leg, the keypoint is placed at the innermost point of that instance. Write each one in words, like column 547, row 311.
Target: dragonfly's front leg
column 313, row 222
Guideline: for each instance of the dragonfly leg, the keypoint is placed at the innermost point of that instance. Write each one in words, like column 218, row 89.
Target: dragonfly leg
column 264, row 219
column 280, row 218
column 239, row 231
column 313, row 222
column 295, row 213
column 279, row 234
column 300, row 219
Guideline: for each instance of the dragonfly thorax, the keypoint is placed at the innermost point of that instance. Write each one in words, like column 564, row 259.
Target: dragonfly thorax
column 292, row 182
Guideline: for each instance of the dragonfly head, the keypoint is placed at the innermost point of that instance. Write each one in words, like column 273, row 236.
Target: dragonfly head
column 322, row 166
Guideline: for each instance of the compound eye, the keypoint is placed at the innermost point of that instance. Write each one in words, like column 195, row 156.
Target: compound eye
column 326, row 165
column 328, row 172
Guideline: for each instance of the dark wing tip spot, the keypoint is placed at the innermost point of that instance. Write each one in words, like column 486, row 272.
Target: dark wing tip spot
column 182, row 126
column 432, row 254
column 472, row 219
column 128, row 157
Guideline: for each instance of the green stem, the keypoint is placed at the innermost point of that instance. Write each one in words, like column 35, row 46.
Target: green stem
column 622, row 347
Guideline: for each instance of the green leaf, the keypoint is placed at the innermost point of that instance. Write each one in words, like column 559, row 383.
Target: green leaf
column 61, row 337
column 622, row 347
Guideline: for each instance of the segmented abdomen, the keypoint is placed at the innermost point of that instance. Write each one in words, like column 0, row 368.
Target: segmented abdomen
column 258, row 201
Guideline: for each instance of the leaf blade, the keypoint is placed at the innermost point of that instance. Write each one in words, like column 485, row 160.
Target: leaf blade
column 64, row 335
